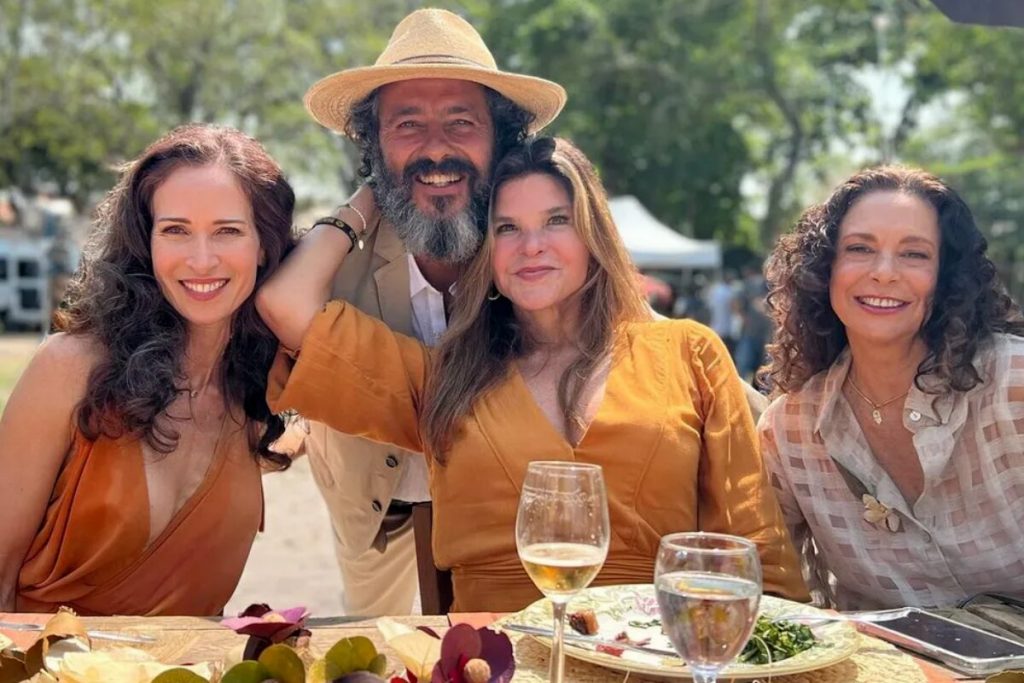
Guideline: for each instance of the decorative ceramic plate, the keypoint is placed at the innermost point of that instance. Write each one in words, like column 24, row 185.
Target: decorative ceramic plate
column 633, row 609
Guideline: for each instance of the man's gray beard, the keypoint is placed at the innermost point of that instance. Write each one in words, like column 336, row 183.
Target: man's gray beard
column 449, row 239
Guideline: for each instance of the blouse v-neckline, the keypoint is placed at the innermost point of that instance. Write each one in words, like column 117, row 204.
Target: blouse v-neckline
column 534, row 407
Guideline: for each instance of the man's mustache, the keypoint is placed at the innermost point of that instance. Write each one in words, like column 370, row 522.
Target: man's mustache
column 451, row 165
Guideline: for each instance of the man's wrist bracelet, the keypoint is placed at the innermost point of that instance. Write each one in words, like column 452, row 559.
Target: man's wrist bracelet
column 356, row 238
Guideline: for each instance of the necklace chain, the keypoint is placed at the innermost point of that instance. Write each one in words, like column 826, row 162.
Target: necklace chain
column 194, row 392
column 876, row 408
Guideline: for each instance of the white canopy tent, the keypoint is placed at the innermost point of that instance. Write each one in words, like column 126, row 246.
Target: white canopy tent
column 653, row 244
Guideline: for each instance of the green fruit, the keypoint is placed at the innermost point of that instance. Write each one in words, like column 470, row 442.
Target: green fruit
column 318, row 672
column 379, row 665
column 283, row 664
column 350, row 654
column 179, row 676
column 246, row 672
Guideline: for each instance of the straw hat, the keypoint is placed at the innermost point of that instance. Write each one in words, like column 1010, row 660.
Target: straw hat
column 431, row 43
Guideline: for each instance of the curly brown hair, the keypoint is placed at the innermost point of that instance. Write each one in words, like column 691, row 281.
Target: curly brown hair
column 968, row 307
column 115, row 299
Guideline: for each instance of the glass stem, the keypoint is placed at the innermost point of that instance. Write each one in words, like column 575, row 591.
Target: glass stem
column 557, row 672
column 704, row 676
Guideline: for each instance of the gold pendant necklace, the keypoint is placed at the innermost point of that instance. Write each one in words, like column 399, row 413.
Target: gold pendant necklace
column 876, row 408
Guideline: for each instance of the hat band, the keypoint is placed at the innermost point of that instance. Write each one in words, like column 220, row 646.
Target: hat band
column 442, row 59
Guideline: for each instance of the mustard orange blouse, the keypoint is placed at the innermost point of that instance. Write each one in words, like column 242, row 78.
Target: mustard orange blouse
column 91, row 551
column 673, row 434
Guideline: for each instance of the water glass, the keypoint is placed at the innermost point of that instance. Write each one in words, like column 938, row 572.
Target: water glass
column 708, row 588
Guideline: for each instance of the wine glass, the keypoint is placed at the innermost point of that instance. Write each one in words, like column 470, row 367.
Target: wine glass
column 709, row 589
column 562, row 534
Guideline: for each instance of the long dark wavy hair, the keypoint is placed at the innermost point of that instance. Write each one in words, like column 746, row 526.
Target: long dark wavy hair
column 485, row 336
column 969, row 304
column 114, row 298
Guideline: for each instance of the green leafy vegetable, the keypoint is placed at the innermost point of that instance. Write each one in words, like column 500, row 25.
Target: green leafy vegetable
column 775, row 641
column 645, row 624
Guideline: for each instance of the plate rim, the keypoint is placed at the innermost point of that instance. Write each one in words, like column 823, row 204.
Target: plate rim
column 732, row 672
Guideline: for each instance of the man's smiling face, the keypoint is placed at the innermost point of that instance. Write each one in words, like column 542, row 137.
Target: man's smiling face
column 432, row 171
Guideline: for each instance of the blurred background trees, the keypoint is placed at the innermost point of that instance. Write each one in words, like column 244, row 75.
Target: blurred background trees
column 724, row 117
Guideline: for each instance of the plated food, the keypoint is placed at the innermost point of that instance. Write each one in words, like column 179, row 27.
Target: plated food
column 776, row 641
column 629, row 614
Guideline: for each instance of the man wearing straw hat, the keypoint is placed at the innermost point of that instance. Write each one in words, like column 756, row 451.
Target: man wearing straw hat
column 430, row 118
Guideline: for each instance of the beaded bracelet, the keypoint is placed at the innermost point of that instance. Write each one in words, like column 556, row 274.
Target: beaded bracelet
column 357, row 240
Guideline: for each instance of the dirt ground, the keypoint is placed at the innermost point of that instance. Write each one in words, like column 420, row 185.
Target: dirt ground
column 292, row 562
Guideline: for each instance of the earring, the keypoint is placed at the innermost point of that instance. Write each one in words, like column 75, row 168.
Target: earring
column 495, row 296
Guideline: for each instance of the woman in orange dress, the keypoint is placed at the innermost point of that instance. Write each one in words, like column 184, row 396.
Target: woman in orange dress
column 552, row 354
column 132, row 447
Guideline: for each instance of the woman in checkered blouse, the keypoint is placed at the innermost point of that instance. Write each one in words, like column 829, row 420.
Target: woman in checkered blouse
column 896, row 443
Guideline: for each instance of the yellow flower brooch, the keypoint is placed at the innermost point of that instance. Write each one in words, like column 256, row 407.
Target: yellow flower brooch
column 879, row 514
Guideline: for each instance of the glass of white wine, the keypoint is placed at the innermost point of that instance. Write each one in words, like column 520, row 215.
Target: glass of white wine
column 709, row 589
column 562, row 534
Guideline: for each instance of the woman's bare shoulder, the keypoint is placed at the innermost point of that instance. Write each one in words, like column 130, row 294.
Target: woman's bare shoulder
column 67, row 357
column 41, row 408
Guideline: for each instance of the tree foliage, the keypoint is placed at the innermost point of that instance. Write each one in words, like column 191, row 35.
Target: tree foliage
column 724, row 117
column 971, row 77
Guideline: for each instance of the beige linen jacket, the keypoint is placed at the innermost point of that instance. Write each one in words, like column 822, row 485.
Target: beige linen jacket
column 358, row 477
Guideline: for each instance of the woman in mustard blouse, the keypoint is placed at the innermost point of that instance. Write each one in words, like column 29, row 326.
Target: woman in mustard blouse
column 551, row 354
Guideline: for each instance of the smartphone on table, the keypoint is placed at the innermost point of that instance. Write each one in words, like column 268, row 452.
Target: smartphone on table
column 961, row 647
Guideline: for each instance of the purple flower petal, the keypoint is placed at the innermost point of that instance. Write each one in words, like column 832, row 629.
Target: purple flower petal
column 263, row 622
column 428, row 631
column 294, row 615
column 255, row 610
column 496, row 650
column 460, row 643
column 236, row 623
column 276, row 632
column 360, row 677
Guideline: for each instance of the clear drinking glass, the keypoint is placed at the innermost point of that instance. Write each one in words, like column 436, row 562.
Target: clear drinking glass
column 562, row 534
column 709, row 589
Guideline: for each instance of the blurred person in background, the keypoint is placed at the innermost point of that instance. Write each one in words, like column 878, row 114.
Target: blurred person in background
column 720, row 297
column 692, row 305
column 753, row 285
column 755, row 329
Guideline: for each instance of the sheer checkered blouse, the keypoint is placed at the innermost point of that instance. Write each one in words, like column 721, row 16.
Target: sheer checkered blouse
column 966, row 532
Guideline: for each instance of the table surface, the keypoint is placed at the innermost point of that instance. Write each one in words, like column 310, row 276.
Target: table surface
column 195, row 639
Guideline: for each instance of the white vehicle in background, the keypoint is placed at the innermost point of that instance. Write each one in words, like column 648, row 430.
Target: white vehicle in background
column 25, row 270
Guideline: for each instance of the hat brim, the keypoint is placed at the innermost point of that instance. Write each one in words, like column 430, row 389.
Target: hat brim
column 331, row 99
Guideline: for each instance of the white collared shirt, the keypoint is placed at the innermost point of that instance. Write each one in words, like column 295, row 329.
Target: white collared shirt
column 428, row 318
column 428, row 324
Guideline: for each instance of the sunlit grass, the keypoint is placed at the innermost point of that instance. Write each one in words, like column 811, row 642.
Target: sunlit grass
column 15, row 352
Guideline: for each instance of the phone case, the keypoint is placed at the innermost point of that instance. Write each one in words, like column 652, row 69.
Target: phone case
column 976, row 666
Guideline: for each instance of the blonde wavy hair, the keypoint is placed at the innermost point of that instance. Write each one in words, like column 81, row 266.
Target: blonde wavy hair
column 484, row 336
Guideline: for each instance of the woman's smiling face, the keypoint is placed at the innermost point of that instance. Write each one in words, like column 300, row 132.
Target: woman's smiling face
column 204, row 243
column 886, row 267
column 539, row 260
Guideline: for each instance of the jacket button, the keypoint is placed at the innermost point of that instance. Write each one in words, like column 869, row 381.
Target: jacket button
column 377, row 507
column 391, row 460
